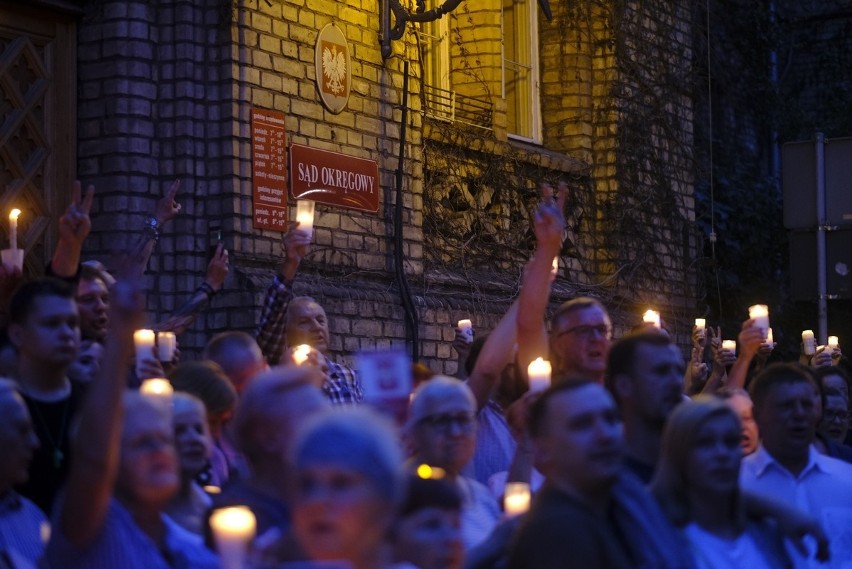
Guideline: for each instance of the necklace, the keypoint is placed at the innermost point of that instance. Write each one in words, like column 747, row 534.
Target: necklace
column 58, row 455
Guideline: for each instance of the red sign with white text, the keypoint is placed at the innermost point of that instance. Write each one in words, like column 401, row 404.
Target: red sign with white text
column 269, row 169
column 333, row 178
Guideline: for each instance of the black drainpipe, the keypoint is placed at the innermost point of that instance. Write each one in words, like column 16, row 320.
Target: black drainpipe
column 411, row 320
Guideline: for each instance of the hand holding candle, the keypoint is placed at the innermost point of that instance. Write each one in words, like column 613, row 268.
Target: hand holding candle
column 466, row 328
column 539, row 372
column 760, row 314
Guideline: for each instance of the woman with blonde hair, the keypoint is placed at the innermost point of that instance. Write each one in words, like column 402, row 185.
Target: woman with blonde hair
column 697, row 485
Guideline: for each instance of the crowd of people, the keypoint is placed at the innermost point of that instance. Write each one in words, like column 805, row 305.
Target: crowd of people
column 634, row 457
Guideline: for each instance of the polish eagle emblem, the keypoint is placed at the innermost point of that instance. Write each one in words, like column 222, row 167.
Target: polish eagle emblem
column 334, row 68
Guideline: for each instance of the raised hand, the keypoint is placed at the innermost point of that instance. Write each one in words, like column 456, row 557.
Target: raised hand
column 167, row 207
column 75, row 224
column 217, row 268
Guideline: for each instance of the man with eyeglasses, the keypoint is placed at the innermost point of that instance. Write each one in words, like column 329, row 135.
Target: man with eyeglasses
column 580, row 338
column 580, row 329
column 441, row 433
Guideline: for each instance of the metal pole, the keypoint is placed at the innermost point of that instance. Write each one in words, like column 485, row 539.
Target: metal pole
column 822, row 289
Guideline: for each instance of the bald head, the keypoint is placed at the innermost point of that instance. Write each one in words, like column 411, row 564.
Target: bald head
column 239, row 356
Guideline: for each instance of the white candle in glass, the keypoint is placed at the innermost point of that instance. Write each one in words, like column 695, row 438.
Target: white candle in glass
column 466, row 328
column 539, row 372
column 166, row 344
column 760, row 314
column 652, row 317
column 305, row 215
column 730, row 345
column 809, row 342
column 516, row 498
column 233, row 529
column 832, row 342
column 301, row 353
column 700, row 324
column 13, row 228
column 144, row 341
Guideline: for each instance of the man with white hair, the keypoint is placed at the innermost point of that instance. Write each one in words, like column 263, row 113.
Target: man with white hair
column 21, row 521
column 288, row 321
column 441, row 433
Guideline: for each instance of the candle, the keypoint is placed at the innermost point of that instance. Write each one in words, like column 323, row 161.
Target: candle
column 700, row 324
column 539, row 373
column 832, row 342
column 516, row 498
column 466, row 328
column 301, row 353
column 730, row 345
column 305, row 215
column 760, row 314
column 769, row 339
column 233, row 529
column 156, row 387
column 809, row 342
column 144, row 341
column 166, row 344
column 13, row 228
column 652, row 317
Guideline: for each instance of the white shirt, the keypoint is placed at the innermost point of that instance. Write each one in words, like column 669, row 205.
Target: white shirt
column 823, row 489
column 713, row 552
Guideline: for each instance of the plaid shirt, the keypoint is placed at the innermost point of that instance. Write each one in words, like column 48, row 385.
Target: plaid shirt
column 341, row 385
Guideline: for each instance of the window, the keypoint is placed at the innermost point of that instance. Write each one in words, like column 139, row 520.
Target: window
column 520, row 69
column 434, row 37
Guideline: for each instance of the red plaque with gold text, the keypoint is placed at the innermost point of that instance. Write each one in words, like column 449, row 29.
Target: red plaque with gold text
column 333, row 178
column 269, row 169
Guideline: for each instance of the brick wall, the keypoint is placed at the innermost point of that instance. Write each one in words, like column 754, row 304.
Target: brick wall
column 166, row 90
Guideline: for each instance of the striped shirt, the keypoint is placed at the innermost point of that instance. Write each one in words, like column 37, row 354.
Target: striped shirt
column 122, row 544
column 341, row 385
column 23, row 528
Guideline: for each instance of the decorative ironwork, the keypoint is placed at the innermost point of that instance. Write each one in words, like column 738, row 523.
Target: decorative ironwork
column 401, row 17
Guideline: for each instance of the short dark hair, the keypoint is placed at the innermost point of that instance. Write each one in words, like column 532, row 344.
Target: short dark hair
column 539, row 409
column 822, row 372
column 778, row 374
column 622, row 354
column 23, row 301
column 430, row 493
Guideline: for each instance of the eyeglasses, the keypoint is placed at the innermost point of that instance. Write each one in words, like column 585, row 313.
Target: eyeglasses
column 586, row 331
column 445, row 422
column 831, row 416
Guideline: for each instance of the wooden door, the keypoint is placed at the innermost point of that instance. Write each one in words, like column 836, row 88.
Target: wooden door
column 37, row 123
